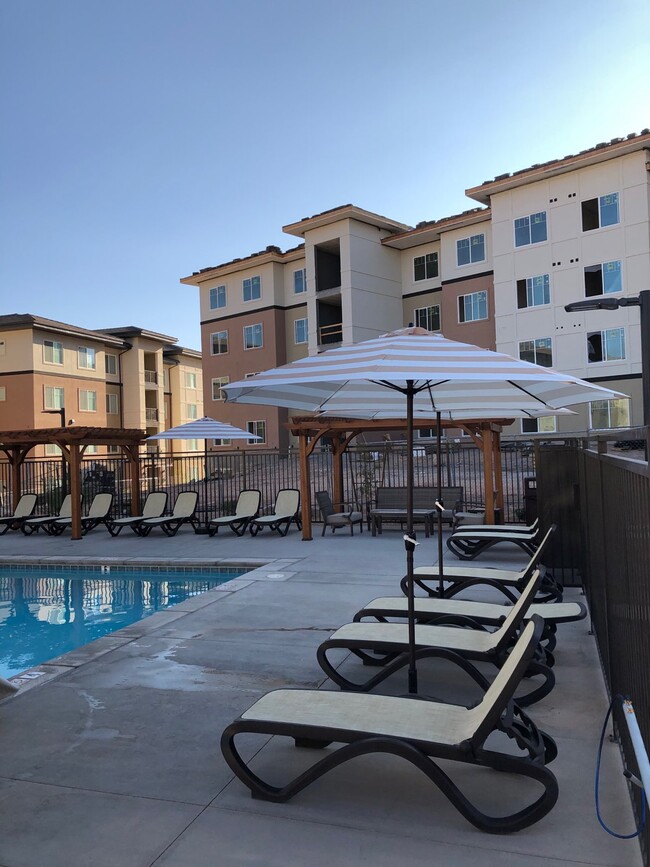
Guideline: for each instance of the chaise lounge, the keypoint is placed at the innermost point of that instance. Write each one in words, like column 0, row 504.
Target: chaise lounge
column 154, row 506
column 97, row 514
column 248, row 505
column 184, row 512
column 33, row 525
column 285, row 511
column 468, row 542
column 24, row 509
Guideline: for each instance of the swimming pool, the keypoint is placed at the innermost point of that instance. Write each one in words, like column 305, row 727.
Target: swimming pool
column 50, row 610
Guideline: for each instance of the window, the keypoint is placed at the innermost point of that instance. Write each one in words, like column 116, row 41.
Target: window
column 219, row 342
column 110, row 364
column 533, row 291
column 544, row 424
column 259, row 429
column 217, row 297
column 603, row 279
column 470, row 250
column 538, row 351
column 426, row 433
column 112, row 404
column 610, row 413
column 300, row 281
column 248, row 375
column 252, row 288
column 222, row 442
column 113, row 450
column 600, row 212
column 190, row 379
column 530, row 230
column 52, row 450
column 87, row 400
column 217, row 384
column 606, row 345
column 300, row 331
column 472, row 307
column 192, row 445
column 52, row 352
column 3, row 392
column 87, row 358
column 253, row 336
column 191, row 411
column 54, row 397
column 425, row 267
column 428, row 317
column 91, row 450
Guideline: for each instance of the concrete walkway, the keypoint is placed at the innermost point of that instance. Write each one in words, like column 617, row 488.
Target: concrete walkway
column 111, row 757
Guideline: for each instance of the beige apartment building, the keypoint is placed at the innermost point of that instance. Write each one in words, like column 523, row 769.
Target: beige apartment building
column 498, row 275
column 52, row 373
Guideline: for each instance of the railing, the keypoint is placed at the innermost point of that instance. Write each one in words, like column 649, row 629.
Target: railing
column 330, row 333
column 150, row 377
column 151, row 414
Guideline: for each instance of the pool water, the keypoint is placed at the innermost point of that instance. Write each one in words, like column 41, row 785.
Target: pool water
column 47, row 611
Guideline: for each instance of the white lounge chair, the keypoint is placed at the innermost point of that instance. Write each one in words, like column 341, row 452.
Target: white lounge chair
column 33, row 525
column 154, row 506
column 24, row 509
column 248, row 505
column 285, row 511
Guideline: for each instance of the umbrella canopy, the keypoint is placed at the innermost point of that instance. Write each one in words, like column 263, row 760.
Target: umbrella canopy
column 412, row 371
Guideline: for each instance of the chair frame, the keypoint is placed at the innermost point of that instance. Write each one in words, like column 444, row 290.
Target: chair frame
column 338, row 520
column 33, row 525
column 116, row 525
column 88, row 522
column 15, row 521
column 170, row 524
column 277, row 521
column 537, row 748
column 467, row 542
column 237, row 523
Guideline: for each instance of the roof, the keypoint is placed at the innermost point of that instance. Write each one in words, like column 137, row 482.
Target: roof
column 343, row 212
column 269, row 254
column 181, row 350
column 16, row 321
column 134, row 331
column 598, row 153
column 431, row 230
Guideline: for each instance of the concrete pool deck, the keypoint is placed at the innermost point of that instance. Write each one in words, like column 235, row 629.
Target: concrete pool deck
column 113, row 759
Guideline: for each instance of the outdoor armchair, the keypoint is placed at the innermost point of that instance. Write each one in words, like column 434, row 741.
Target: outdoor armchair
column 285, row 511
column 247, row 508
column 24, row 509
column 415, row 729
column 154, row 506
column 97, row 514
column 184, row 512
column 334, row 519
column 32, row 525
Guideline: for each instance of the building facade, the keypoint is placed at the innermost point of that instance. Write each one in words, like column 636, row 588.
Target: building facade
column 498, row 276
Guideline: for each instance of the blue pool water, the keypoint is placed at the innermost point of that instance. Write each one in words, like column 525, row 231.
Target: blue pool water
column 47, row 611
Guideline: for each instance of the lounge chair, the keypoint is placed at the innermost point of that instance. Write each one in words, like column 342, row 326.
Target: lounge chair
column 334, row 519
column 184, row 513
column 414, row 729
column 97, row 514
column 154, row 506
column 467, row 543
column 386, row 645
column 33, row 525
column 285, row 511
column 526, row 529
column 24, row 509
column 248, row 505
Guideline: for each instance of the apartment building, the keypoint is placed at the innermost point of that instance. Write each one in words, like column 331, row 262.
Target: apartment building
column 53, row 373
column 498, row 275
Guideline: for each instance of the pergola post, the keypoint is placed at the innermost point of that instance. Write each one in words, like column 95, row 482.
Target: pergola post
column 74, row 464
column 305, row 487
column 338, row 447
column 488, row 473
column 134, row 467
column 498, row 472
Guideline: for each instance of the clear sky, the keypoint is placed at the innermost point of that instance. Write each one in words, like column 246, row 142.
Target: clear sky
column 142, row 140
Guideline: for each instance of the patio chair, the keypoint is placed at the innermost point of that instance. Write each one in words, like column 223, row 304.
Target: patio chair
column 386, row 645
column 184, row 512
column 33, row 525
column 24, row 509
column 285, row 511
column 336, row 520
column 467, row 543
column 154, row 506
column 97, row 514
column 247, row 508
column 414, row 729
column 508, row 582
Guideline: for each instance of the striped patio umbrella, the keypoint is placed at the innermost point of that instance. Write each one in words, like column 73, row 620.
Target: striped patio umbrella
column 412, row 371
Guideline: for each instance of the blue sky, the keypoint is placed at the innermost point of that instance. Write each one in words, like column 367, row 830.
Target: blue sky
column 144, row 140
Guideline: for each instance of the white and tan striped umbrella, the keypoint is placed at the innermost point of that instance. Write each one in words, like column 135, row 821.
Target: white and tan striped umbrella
column 205, row 428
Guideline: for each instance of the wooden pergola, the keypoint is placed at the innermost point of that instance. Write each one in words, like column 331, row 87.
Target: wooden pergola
column 73, row 442
column 341, row 431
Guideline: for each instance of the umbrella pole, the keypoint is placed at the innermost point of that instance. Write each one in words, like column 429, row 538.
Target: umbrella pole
column 439, row 453
column 409, row 539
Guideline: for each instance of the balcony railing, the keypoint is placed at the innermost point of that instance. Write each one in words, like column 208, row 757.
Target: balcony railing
column 330, row 333
column 151, row 414
column 150, row 377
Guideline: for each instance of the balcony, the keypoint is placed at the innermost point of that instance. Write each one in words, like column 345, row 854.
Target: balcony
column 330, row 333
column 151, row 414
column 150, row 378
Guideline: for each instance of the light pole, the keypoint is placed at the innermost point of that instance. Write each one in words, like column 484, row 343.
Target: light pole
column 64, row 468
column 642, row 300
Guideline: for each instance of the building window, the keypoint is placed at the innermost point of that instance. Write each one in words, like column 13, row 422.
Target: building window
column 531, row 229
column 428, row 317
column 217, row 297
column 52, row 352
column 610, row 413
column 606, row 345
column 87, row 400
column 603, row 279
column 217, row 384
column 190, row 379
column 87, row 358
column 249, row 375
column 425, row 267
column 3, row 392
column 544, row 424
column 113, row 450
column 191, row 445
column 54, row 397
column 533, row 291
column 300, row 281
column 52, row 450
column 112, row 404
column 472, row 307
column 110, row 364
column 253, row 336
column 259, row 429
column 538, row 351
column 300, row 331
column 600, row 212
column 470, row 250
column 222, row 442
column 191, row 411
column 252, row 288
column 219, row 342
column 91, row 450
